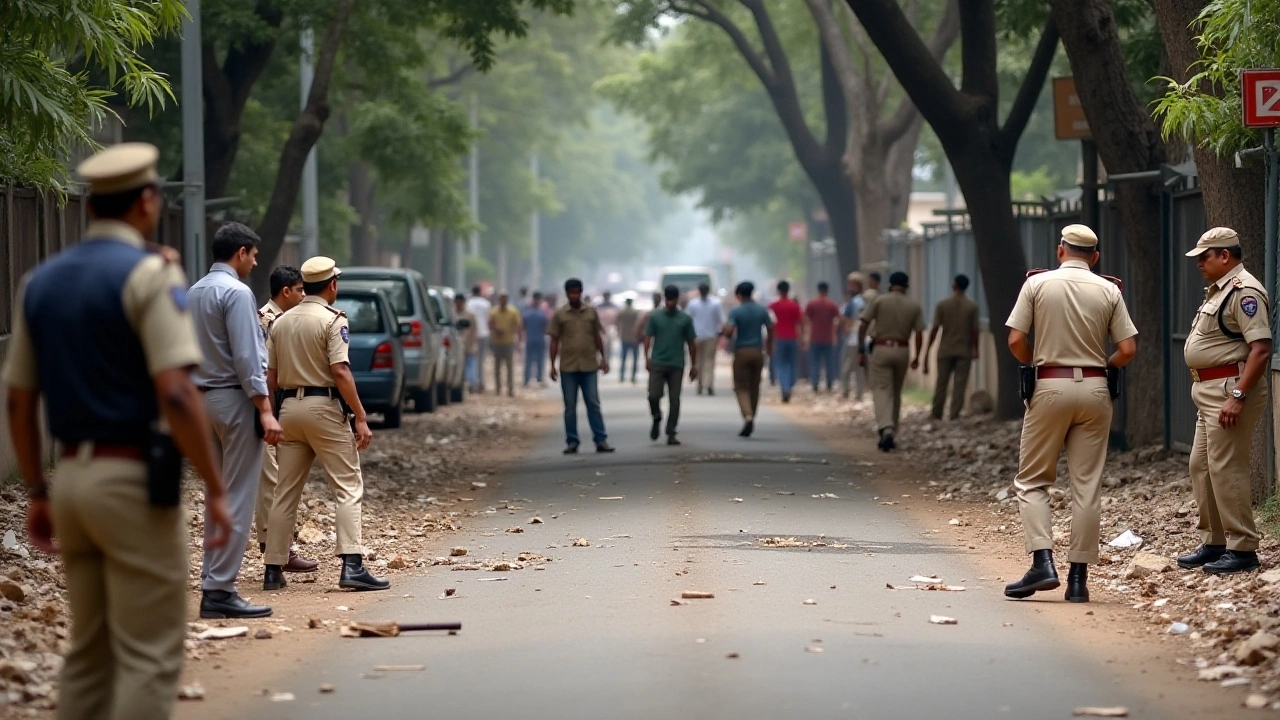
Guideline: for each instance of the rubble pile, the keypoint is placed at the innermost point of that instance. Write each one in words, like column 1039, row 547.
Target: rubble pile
column 1228, row 628
column 418, row 481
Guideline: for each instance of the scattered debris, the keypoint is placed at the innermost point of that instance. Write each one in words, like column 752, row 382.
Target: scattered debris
column 697, row 595
column 1126, row 539
column 391, row 629
column 927, row 579
column 1256, row 701
column 943, row 620
column 194, row 691
column 1145, row 563
column 679, row 602
column 810, row 601
column 282, row 697
column 326, row 688
column 219, row 633
column 783, row 542
column 758, row 582
column 827, row 496
column 458, row 552
column 262, row 634
column 581, row 542
column 398, row 668
column 1179, row 628
column 736, row 500
column 731, row 656
column 813, row 648
column 1260, row 647
column 314, row 623
column 1101, row 712
column 535, row 520
column 1220, row 672
column 515, row 529
column 615, row 497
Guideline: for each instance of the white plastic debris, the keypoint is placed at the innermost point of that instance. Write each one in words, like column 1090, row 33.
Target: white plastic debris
column 1101, row 712
column 219, row 633
column 1179, row 628
column 282, row 697
column 10, row 541
column 1126, row 539
column 942, row 620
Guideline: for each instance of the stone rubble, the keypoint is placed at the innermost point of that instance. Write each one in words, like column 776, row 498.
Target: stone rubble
column 419, row 481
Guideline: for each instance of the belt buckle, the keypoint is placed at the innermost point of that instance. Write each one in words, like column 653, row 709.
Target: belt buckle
column 1195, row 375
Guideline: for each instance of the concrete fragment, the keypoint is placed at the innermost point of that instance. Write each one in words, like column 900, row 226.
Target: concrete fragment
column 1145, row 563
column 11, row 590
column 1257, row 649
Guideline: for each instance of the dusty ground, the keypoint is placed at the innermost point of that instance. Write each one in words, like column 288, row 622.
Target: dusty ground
column 1194, row 626
column 420, row 481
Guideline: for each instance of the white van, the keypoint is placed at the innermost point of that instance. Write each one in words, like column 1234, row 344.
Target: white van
column 687, row 278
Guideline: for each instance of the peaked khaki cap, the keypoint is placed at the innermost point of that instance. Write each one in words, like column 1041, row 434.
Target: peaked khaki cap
column 319, row 269
column 1080, row 236
column 1219, row 237
column 122, row 167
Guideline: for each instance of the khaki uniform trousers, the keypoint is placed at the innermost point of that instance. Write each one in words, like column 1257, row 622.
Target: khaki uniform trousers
column 957, row 365
column 126, row 570
column 266, row 491
column 1219, row 465
column 706, row 362
column 885, row 376
column 1076, row 414
column 315, row 429
column 748, row 366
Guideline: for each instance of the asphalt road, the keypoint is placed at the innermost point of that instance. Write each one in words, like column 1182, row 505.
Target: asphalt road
column 595, row 635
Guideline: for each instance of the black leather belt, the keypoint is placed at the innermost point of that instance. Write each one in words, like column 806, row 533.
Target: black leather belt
column 329, row 392
column 218, row 387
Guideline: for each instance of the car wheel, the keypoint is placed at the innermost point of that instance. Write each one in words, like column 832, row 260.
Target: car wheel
column 391, row 417
column 457, row 394
column 424, row 401
column 442, row 395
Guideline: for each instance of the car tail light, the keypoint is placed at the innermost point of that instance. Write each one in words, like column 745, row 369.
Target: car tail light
column 384, row 358
column 447, row 342
column 414, row 338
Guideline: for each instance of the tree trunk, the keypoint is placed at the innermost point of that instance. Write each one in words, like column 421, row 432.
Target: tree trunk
column 306, row 131
column 363, row 233
column 1128, row 141
column 899, row 172
column 871, row 188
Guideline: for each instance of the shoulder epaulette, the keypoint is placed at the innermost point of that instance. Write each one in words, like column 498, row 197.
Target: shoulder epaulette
column 1114, row 280
column 1037, row 271
column 1237, row 282
column 335, row 311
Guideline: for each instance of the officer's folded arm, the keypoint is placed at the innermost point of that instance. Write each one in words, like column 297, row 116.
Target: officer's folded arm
column 1019, row 346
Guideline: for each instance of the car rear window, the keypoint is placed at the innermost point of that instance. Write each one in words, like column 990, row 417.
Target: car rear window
column 397, row 290
column 364, row 314
column 437, row 306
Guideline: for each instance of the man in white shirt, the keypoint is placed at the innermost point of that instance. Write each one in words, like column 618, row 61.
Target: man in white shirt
column 480, row 307
column 708, row 321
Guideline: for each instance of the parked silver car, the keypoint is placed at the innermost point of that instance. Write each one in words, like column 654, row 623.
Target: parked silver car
column 423, row 346
column 456, row 364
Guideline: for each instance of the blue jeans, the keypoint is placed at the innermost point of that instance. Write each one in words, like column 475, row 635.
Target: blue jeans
column 823, row 357
column 632, row 349
column 535, row 358
column 784, row 363
column 587, row 382
column 472, row 370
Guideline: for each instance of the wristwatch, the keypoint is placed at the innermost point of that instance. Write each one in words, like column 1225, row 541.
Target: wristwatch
column 1238, row 394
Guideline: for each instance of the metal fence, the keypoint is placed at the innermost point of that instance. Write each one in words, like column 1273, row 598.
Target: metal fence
column 1184, row 222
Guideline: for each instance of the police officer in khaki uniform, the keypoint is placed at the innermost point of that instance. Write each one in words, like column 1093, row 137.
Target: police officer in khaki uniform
column 307, row 361
column 1227, row 350
column 122, row 537
column 1073, row 311
column 286, row 293
column 896, row 317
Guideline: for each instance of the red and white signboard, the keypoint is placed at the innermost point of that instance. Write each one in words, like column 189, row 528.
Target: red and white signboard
column 798, row 231
column 1261, row 91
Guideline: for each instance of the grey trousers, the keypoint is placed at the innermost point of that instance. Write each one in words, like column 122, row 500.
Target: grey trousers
column 236, row 443
column 665, row 377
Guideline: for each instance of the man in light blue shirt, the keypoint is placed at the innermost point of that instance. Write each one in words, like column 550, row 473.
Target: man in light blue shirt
column 751, row 329
column 708, row 320
column 234, row 383
column 851, row 373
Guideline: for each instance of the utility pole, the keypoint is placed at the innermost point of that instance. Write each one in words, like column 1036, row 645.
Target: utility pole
column 535, row 237
column 193, row 224
column 310, row 181
column 475, row 175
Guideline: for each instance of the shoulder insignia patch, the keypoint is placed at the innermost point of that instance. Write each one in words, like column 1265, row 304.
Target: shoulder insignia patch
column 1249, row 305
column 1036, row 272
column 346, row 336
column 1237, row 282
column 178, row 294
column 335, row 311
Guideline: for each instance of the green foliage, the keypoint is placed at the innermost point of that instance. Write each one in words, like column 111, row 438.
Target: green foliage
column 1032, row 185
column 48, row 101
column 477, row 269
column 1208, row 109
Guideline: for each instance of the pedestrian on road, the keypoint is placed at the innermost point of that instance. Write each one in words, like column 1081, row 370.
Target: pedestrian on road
column 470, row 339
column 608, row 310
column 852, row 374
column 896, row 317
column 820, row 317
column 628, row 319
column 751, row 329
column 233, row 380
column 1228, row 351
column 307, row 360
column 286, row 292
column 121, row 532
column 957, row 318
column 668, row 332
column 708, row 320
column 577, row 342
column 505, row 329
column 480, row 307
column 1072, row 311
column 535, row 321
column 787, row 318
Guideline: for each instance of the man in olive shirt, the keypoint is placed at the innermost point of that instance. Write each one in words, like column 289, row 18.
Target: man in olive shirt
column 666, row 334
column 896, row 317
column 957, row 317
column 577, row 342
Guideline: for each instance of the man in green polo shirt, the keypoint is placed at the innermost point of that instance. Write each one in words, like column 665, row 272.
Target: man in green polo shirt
column 667, row 333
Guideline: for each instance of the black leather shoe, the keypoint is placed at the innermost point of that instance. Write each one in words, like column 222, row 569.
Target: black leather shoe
column 671, row 440
column 711, row 392
column 605, row 447
column 1042, row 576
column 356, row 577
column 656, row 430
column 1077, row 583
column 1233, row 561
column 571, row 449
column 747, row 428
column 273, row 578
column 221, row 604
column 296, row 564
column 1203, row 555
column 886, row 441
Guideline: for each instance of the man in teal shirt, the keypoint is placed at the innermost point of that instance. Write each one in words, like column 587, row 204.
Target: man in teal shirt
column 751, row 329
column 666, row 334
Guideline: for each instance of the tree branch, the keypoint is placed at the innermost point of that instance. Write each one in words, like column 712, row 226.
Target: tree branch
column 852, row 81
column 455, row 76
column 978, row 50
column 712, row 14
column 896, row 125
column 1029, row 92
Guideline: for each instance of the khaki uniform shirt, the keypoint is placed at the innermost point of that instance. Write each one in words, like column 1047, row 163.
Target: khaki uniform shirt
column 504, row 325
column 165, row 330
column 958, row 318
column 1246, row 313
column 305, row 341
column 1073, row 311
column 267, row 315
column 577, row 331
column 895, row 316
